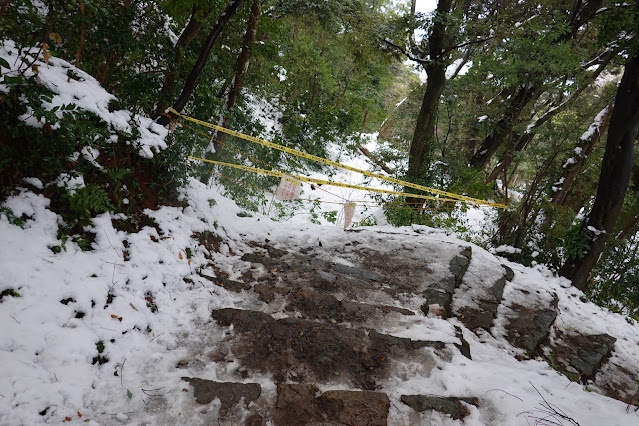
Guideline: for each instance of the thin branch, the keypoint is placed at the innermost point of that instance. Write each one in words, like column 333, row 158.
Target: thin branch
column 405, row 53
column 458, row 46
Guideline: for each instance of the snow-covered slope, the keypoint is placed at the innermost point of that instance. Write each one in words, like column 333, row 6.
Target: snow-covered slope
column 105, row 336
column 140, row 301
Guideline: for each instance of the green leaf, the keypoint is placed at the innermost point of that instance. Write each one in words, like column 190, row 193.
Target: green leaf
column 12, row 80
column 4, row 64
column 129, row 394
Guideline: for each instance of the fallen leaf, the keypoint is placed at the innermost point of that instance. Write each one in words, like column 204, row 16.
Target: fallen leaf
column 120, row 319
column 189, row 262
column 45, row 53
column 134, row 308
column 113, row 316
column 67, row 419
column 185, row 390
column 180, row 256
column 68, row 79
column 34, row 68
column 274, row 270
column 79, row 414
column 56, row 37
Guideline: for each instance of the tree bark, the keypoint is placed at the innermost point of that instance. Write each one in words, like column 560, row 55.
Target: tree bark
column 572, row 168
column 582, row 13
column 188, row 34
column 615, row 174
column 241, row 67
column 503, row 127
column 198, row 67
column 425, row 127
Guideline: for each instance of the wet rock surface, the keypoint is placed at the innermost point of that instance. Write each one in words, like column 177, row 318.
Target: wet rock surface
column 301, row 350
column 302, row 404
column 447, row 405
column 527, row 327
column 579, row 356
column 229, row 394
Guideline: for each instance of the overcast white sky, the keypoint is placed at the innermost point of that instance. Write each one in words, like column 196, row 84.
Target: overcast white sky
column 425, row 5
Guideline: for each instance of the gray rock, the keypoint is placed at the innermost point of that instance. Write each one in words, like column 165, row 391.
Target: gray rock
column 229, row 393
column 359, row 273
column 447, row 405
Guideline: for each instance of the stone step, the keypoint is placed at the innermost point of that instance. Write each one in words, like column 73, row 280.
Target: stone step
column 453, row 406
column 316, row 305
column 526, row 327
column 302, row 404
column 476, row 300
column 377, row 277
column 293, row 349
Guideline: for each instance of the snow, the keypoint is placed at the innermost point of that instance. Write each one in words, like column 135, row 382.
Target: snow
column 596, row 124
column 70, row 85
column 482, row 118
column 73, row 302
column 46, row 352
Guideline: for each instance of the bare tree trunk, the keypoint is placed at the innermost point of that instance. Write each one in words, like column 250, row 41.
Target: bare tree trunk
column 424, row 134
column 504, row 126
column 241, row 66
column 197, row 69
column 78, row 53
column 615, row 174
column 574, row 164
column 188, row 34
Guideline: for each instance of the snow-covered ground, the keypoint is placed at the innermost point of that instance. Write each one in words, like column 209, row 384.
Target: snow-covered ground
column 54, row 331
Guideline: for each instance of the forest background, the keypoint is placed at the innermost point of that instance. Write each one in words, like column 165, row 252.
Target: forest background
column 534, row 104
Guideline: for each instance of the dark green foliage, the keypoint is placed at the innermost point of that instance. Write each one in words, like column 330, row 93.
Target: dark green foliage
column 9, row 292
column 615, row 282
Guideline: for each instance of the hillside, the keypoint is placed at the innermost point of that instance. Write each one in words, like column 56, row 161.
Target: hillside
column 202, row 292
column 132, row 294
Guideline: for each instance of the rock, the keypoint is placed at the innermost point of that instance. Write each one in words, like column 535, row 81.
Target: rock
column 230, row 285
column 446, row 405
column 403, row 311
column 228, row 393
column 268, row 262
column 268, row 292
column 510, row 274
column 584, row 353
column 254, row 420
column 356, row 408
column 359, row 273
column 459, row 265
column 293, row 349
column 529, row 326
column 474, row 318
column 464, row 346
column 298, row 404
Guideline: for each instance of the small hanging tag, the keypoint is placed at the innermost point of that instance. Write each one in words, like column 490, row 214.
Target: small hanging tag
column 288, row 189
column 349, row 212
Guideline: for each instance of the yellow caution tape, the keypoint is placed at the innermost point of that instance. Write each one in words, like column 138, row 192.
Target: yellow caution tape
column 335, row 164
column 323, row 182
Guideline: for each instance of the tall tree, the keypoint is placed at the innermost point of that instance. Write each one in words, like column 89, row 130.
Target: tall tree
column 544, row 43
column 241, row 67
column 198, row 67
column 197, row 18
column 615, row 174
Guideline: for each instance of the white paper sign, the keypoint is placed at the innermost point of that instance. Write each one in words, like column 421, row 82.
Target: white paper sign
column 349, row 212
column 288, row 189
